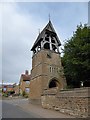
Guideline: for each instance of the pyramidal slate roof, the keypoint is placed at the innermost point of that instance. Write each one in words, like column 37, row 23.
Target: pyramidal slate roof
column 49, row 27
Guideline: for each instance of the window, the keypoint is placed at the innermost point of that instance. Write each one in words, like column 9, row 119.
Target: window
column 27, row 90
column 4, row 89
column 50, row 69
column 49, row 55
column 54, row 69
column 27, row 82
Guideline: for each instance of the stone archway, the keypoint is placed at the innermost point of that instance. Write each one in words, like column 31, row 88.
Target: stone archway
column 54, row 83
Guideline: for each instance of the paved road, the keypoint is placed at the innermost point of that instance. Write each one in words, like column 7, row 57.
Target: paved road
column 22, row 108
column 0, row 109
column 13, row 111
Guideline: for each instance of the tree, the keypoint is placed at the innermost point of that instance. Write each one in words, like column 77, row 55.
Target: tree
column 76, row 59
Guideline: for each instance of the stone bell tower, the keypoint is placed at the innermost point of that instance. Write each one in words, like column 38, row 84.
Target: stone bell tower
column 47, row 72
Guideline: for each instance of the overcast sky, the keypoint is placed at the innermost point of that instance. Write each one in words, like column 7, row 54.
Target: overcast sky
column 20, row 24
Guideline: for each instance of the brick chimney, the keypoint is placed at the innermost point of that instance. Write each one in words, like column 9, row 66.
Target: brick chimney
column 26, row 72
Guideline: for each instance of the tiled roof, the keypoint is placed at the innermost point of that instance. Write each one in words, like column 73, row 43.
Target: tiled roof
column 25, row 77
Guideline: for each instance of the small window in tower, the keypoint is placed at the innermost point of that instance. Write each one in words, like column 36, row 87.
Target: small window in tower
column 49, row 55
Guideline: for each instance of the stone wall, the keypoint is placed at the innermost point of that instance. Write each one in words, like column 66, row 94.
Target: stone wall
column 74, row 102
column 44, row 70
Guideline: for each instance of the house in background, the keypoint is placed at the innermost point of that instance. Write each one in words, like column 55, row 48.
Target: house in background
column 16, row 89
column 25, row 83
column 8, row 88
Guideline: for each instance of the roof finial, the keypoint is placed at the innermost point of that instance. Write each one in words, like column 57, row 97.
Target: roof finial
column 49, row 17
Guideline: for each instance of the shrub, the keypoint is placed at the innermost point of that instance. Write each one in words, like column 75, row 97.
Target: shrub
column 23, row 94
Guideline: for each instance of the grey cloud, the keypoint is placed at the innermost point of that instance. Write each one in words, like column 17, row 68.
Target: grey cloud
column 18, row 37
column 19, row 33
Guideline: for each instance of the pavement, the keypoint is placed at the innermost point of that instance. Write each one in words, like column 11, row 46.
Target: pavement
column 26, row 106
column 37, row 109
column 13, row 111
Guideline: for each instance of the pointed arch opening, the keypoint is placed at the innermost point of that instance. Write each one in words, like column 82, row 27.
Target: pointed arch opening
column 54, row 83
